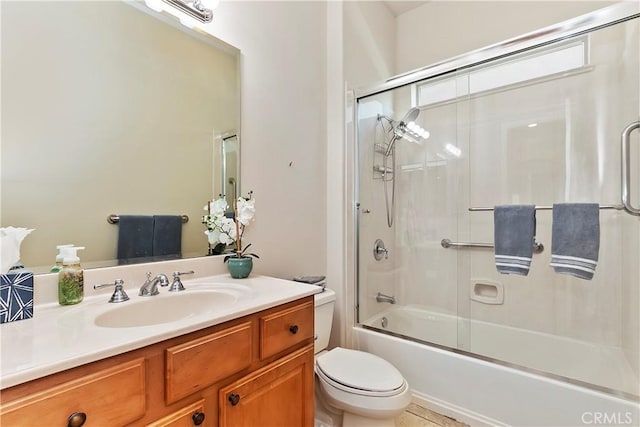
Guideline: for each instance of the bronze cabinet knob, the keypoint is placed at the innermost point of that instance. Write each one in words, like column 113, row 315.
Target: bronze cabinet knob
column 77, row 419
column 234, row 399
column 198, row 418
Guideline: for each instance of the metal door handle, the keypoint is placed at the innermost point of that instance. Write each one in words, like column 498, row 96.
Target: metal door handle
column 626, row 169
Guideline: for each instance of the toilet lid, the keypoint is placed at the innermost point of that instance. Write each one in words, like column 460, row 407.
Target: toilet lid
column 360, row 370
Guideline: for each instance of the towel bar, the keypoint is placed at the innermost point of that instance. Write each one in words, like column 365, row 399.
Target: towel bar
column 547, row 208
column 114, row 219
column 447, row 243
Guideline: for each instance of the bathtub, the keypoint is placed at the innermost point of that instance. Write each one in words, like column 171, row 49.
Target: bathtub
column 480, row 392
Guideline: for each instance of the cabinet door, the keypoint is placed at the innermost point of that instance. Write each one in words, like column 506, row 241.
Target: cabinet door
column 278, row 395
column 192, row 415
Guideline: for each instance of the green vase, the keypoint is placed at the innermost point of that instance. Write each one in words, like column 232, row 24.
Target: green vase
column 239, row 268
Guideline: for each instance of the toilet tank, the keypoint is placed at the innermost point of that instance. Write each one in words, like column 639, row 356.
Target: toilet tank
column 323, row 318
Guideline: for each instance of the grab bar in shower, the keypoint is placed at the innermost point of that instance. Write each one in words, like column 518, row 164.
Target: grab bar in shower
column 382, row 169
column 626, row 169
column 447, row 243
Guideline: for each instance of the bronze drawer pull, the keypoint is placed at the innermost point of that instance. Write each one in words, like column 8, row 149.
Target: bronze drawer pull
column 77, row 419
column 198, row 418
column 293, row 329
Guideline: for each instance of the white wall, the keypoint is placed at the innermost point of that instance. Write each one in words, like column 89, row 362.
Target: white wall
column 283, row 128
column 369, row 43
column 440, row 30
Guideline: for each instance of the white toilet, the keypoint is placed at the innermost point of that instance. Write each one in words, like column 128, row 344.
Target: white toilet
column 365, row 389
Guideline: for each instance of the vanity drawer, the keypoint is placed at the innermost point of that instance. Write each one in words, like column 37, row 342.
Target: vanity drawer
column 202, row 362
column 114, row 396
column 192, row 415
column 285, row 328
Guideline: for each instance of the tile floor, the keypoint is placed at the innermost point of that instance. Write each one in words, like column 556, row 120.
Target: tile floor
column 417, row 416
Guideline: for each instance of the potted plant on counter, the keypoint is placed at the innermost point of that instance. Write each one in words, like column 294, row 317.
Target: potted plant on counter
column 224, row 230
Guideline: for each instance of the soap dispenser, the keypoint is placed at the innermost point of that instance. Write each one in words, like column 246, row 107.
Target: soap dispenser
column 70, row 277
column 56, row 268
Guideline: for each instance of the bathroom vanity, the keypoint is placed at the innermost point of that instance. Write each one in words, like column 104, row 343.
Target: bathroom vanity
column 255, row 368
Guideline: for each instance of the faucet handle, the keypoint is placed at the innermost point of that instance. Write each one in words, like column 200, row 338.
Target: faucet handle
column 119, row 295
column 177, row 285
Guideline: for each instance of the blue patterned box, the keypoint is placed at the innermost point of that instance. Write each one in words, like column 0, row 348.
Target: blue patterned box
column 16, row 296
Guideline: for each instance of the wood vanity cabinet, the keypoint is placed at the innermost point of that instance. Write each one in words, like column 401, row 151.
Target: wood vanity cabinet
column 255, row 371
column 276, row 395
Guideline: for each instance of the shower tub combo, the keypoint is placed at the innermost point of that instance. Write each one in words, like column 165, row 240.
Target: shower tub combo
column 550, row 117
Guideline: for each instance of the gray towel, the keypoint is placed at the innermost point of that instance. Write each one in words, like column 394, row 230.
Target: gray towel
column 135, row 235
column 167, row 236
column 575, row 240
column 514, row 233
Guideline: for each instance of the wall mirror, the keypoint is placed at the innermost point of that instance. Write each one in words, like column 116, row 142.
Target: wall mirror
column 111, row 108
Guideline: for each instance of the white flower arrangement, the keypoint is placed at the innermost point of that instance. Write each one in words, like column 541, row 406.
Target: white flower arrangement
column 224, row 230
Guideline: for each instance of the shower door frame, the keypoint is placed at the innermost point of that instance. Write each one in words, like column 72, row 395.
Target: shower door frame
column 584, row 24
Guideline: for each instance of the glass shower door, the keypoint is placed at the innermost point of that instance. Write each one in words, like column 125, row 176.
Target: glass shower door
column 414, row 270
column 540, row 127
column 544, row 127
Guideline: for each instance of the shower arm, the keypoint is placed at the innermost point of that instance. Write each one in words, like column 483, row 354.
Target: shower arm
column 387, row 118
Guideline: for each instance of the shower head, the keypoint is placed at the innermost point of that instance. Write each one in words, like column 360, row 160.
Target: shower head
column 400, row 128
column 411, row 115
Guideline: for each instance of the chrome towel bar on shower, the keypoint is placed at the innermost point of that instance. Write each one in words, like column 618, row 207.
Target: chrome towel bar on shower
column 447, row 243
column 626, row 178
column 548, row 208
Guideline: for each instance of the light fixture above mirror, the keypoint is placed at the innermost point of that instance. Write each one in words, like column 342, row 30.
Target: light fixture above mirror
column 200, row 10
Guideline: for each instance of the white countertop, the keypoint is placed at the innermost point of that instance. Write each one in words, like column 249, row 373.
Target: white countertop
column 59, row 338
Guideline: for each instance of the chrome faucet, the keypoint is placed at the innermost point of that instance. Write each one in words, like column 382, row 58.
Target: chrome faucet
column 385, row 298
column 150, row 286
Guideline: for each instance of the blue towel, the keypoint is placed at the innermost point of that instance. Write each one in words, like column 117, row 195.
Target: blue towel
column 575, row 240
column 514, row 234
column 135, row 237
column 167, row 236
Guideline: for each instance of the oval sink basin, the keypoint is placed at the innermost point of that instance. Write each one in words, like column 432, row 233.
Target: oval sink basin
column 164, row 309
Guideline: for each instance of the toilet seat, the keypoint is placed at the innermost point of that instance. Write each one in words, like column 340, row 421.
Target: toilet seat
column 360, row 373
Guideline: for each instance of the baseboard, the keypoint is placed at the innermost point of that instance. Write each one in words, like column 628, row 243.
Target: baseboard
column 460, row 414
